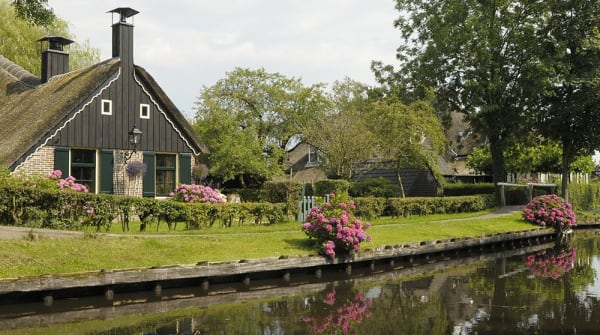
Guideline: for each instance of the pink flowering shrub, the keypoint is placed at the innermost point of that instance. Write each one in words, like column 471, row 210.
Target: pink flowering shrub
column 192, row 193
column 67, row 183
column 550, row 210
column 551, row 263
column 337, row 316
column 335, row 228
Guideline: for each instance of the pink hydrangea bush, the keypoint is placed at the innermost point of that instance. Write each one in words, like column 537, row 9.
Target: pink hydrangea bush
column 337, row 316
column 192, row 193
column 551, row 263
column 550, row 210
column 68, row 183
column 335, row 228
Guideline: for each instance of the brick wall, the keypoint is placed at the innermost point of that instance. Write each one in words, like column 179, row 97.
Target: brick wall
column 41, row 162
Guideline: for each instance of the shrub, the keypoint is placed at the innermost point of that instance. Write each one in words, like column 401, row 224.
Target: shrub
column 374, row 187
column 192, row 193
column 550, row 210
column 458, row 189
column 329, row 186
column 287, row 192
column 335, row 228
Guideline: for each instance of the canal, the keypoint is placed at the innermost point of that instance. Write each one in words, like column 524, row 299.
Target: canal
column 550, row 288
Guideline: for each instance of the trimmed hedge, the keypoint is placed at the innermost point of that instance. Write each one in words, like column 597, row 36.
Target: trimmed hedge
column 459, row 189
column 328, row 186
column 372, row 208
column 60, row 209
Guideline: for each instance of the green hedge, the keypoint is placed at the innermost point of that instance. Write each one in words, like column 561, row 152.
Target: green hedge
column 60, row 209
column 459, row 189
column 328, row 186
column 585, row 196
column 372, row 208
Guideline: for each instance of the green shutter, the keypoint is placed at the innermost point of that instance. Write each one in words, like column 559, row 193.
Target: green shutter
column 185, row 168
column 61, row 160
column 150, row 177
column 107, row 163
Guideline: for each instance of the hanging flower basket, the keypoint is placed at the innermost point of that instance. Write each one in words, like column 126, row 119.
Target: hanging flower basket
column 136, row 168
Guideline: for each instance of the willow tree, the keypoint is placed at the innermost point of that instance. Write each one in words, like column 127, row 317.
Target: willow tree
column 408, row 135
column 18, row 41
column 480, row 57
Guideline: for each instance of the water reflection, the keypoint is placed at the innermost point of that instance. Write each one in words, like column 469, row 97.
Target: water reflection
column 552, row 289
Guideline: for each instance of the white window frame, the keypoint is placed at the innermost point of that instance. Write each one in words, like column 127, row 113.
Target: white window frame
column 110, row 109
column 142, row 116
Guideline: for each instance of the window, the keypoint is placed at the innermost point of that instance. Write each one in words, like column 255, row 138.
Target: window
column 106, row 107
column 83, row 167
column 144, row 111
column 165, row 174
column 314, row 158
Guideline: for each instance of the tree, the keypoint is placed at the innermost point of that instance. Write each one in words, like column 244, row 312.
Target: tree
column 18, row 41
column 571, row 115
column 247, row 118
column 340, row 131
column 409, row 135
column 479, row 57
column 35, row 12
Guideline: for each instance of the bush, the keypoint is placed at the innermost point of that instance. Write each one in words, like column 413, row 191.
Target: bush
column 335, row 228
column 374, row 187
column 550, row 211
column 331, row 186
column 192, row 193
column 286, row 192
column 459, row 189
column 585, row 196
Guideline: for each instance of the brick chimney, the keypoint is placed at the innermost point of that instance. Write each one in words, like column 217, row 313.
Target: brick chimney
column 122, row 35
column 55, row 60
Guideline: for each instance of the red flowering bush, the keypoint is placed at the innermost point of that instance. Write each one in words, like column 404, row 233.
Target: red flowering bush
column 550, row 210
column 191, row 193
column 335, row 228
column 551, row 263
column 333, row 316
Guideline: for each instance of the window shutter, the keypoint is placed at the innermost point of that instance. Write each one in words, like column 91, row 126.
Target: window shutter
column 61, row 160
column 107, row 163
column 150, row 177
column 185, row 168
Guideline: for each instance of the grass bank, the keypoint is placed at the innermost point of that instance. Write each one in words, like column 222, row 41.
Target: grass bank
column 129, row 250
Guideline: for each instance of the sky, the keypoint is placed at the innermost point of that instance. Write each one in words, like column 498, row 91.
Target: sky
column 190, row 44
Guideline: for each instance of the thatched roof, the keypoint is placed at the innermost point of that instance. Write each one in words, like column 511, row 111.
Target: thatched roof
column 28, row 111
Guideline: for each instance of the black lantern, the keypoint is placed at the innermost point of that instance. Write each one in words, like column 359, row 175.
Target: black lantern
column 135, row 138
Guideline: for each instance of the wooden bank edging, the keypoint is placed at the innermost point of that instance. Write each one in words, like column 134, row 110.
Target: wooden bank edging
column 207, row 270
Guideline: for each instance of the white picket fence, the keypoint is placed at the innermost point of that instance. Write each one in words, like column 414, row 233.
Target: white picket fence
column 306, row 204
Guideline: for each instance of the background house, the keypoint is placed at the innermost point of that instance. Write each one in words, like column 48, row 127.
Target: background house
column 79, row 122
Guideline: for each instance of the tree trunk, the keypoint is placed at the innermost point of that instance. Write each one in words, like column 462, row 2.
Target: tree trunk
column 402, row 194
column 498, row 171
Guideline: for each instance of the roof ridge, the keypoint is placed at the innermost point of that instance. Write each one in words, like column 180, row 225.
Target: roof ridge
column 19, row 73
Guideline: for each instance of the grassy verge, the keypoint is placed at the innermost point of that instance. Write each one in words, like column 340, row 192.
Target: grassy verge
column 95, row 252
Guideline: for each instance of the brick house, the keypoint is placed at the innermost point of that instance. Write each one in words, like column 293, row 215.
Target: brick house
column 82, row 122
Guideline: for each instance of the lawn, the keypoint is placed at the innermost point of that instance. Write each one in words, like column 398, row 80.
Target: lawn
column 132, row 249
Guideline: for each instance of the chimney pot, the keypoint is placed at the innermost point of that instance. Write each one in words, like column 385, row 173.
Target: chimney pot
column 55, row 60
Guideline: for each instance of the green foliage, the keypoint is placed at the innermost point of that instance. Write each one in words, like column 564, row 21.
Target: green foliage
column 329, row 186
column 247, row 118
column 585, row 196
column 371, row 208
column 36, row 12
column 409, row 135
column 340, row 130
column 374, row 187
column 285, row 192
column 459, row 189
column 19, row 41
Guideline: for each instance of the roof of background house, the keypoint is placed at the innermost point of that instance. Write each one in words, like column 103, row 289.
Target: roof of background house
column 29, row 111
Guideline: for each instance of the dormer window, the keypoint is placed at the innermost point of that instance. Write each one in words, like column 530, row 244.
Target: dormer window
column 144, row 111
column 106, row 107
